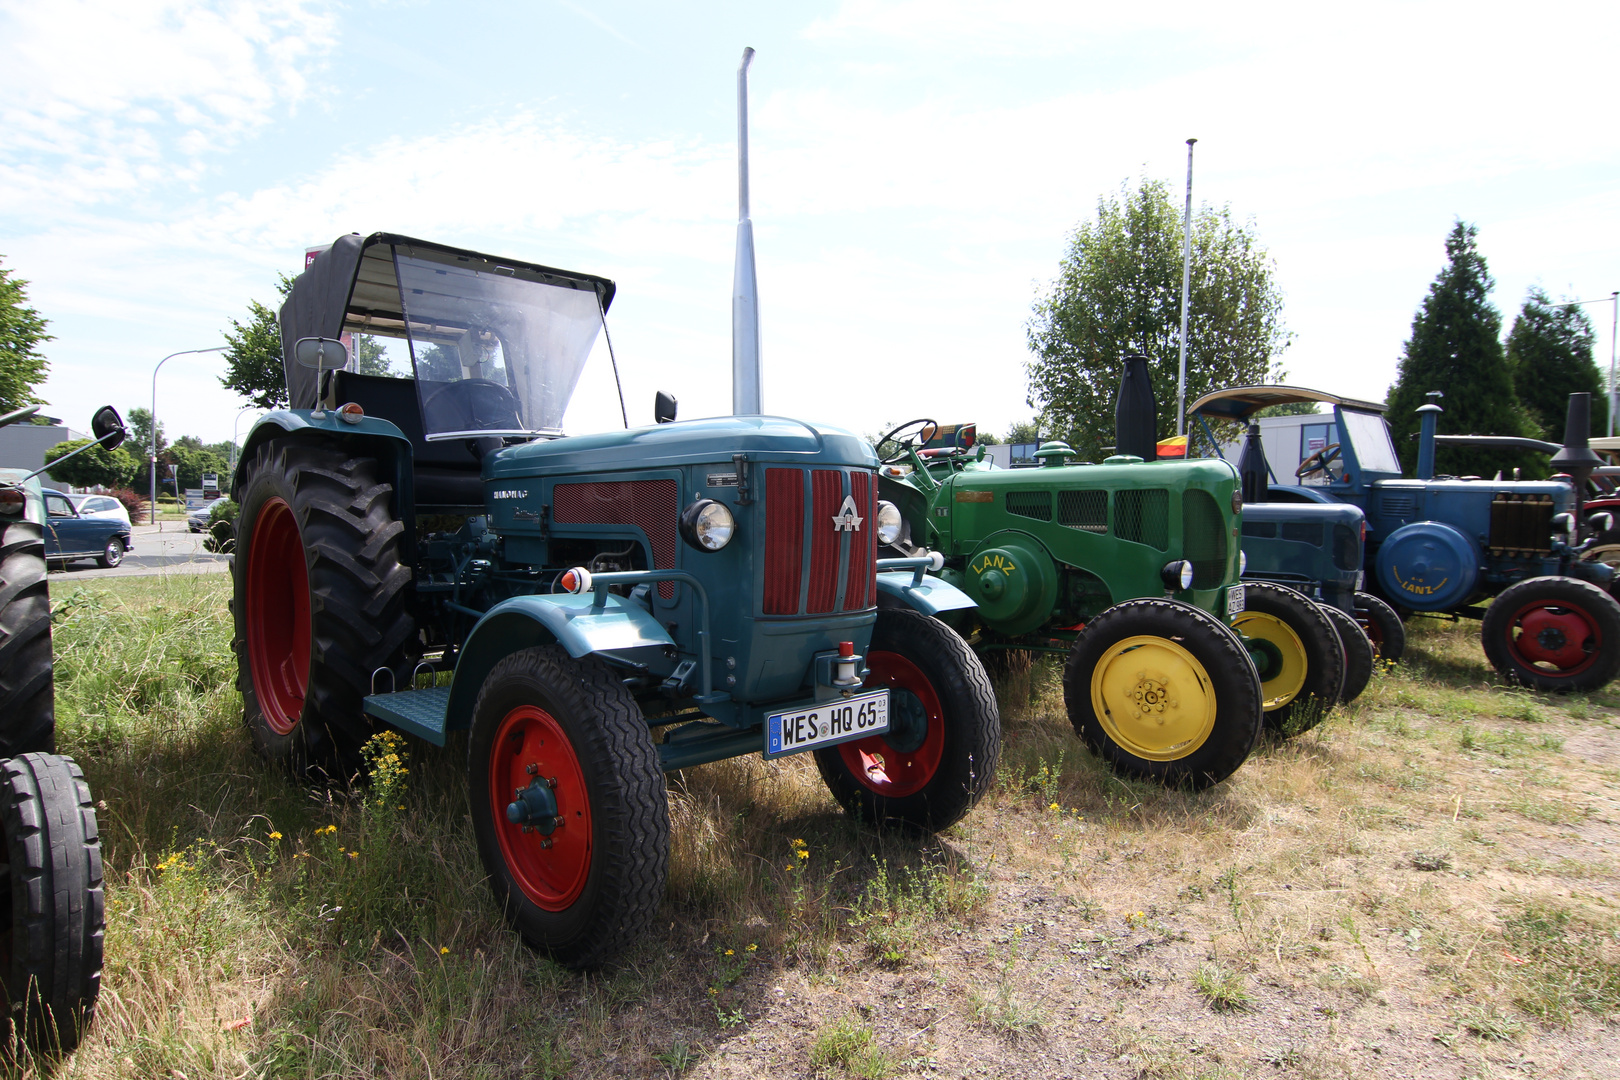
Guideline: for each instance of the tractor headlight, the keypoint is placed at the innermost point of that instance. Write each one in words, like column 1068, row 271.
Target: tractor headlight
column 1243, row 562
column 1177, row 575
column 888, row 523
column 13, row 500
column 1237, row 500
column 708, row 525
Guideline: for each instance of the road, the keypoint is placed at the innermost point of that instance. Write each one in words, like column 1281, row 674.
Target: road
column 165, row 548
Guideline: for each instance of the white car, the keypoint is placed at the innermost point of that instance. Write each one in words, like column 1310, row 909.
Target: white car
column 100, row 506
column 197, row 520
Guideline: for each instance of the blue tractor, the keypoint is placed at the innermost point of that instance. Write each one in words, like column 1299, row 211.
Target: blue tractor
column 1445, row 545
column 426, row 551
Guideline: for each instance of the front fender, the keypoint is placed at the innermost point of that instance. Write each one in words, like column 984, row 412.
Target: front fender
column 619, row 627
column 930, row 595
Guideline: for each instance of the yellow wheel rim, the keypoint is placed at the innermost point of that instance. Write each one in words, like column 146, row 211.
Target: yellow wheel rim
column 1153, row 698
column 1283, row 685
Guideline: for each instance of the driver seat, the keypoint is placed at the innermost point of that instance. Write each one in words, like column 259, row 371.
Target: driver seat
column 447, row 473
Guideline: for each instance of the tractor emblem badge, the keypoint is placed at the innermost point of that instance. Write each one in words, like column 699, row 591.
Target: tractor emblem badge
column 847, row 520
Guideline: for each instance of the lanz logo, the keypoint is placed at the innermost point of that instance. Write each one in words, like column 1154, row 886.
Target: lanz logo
column 510, row 493
column 847, row 520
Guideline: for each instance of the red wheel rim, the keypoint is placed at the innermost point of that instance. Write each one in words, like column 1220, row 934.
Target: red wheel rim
column 1557, row 639
column 550, row 876
column 874, row 761
column 277, row 616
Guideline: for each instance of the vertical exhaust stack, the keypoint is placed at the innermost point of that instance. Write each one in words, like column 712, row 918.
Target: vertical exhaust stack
column 1253, row 469
column 1576, row 457
column 746, row 399
column 1136, row 413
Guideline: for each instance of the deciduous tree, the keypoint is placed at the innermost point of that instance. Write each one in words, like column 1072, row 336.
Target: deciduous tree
column 22, row 331
column 253, row 366
column 1118, row 292
column 96, row 467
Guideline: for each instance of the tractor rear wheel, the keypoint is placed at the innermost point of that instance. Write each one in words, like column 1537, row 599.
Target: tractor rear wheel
column 52, row 903
column 1297, row 652
column 1553, row 633
column 1163, row 691
column 569, row 806
column 1383, row 625
column 1357, row 650
column 27, row 697
column 319, row 603
column 939, row 755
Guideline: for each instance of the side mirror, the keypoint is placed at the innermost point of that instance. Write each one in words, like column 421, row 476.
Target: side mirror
column 318, row 353
column 664, row 407
column 108, row 428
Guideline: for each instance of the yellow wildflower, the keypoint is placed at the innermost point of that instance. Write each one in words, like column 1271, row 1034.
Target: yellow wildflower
column 753, row 948
column 731, row 952
column 444, row 950
column 803, row 854
column 275, row 836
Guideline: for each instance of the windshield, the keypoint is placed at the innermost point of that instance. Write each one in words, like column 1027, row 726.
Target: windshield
column 1369, row 434
column 495, row 351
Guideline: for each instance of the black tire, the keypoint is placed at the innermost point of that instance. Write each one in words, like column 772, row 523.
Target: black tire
column 1358, row 653
column 319, row 603
column 579, row 894
column 939, row 756
column 1553, row 633
column 1305, row 670
column 53, row 924
column 27, row 696
column 112, row 554
column 1198, row 655
column 1383, row 627
column 1605, row 549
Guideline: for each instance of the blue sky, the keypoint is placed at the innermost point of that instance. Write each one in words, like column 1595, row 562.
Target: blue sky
column 917, row 167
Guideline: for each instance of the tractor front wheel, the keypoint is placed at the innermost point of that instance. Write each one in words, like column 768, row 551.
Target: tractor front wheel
column 569, row 806
column 1297, row 652
column 1383, row 626
column 52, row 902
column 1554, row 633
column 1163, row 691
column 27, row 697
column 319, row 603
column 939, row 755
column 1357, row 650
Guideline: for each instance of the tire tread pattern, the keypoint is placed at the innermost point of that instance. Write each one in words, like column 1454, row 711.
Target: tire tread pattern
column 1359, row 655
column 27, row 692
column 1324, row 655
column 1573, row 592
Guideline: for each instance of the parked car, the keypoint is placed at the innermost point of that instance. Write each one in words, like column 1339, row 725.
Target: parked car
column 70, row 535
column 100, row 506
column 197, row 520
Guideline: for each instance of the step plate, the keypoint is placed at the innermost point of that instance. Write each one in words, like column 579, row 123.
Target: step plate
column 415, row 712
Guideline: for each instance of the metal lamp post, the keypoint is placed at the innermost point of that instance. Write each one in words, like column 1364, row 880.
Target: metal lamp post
column 236, row 426
column 153, row 490
column 1614, row 328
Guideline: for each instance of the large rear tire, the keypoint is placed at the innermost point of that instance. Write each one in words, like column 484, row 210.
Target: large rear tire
column 579, row 870
column 1357, row 650
column 939, row 756
column 52, row 903
column 1383, row 627
column 319, row 603
column 1553, row 633
column 27, row 696
column 1163, row 691
column 1303, row 670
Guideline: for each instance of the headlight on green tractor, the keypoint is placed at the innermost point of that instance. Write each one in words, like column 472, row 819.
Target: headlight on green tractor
column 888, row 522
column 708, row 525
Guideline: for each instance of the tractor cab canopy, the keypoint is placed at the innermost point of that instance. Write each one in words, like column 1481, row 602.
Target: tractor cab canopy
column 1364, row 441
column 1242, row 402
column 496, row 346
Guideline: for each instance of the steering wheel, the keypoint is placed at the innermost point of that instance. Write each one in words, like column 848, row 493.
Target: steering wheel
column 909, row 435
column 1318, row 461
column 472, row 405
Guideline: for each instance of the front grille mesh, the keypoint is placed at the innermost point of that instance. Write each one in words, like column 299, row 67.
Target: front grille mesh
column 649, row 505
column 1205, row 538
column 1143, row 517
column 1084, row 510
column 841, row 562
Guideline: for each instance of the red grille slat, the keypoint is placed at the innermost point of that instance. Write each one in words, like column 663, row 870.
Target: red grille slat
column 862, row 572
column 827, row 487
column 784, row 540
column 649, row 505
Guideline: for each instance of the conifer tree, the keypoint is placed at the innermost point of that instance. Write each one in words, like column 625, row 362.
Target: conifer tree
column 1456, row 348
column 1549, row 351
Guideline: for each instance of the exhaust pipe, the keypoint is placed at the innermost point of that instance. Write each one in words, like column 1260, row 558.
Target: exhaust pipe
column 1136, row 412
column 745, row 388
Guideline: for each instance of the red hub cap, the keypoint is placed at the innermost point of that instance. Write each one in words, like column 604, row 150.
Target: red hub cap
column 901, row 761
column 277, row 617
column 1556, row 639
column 549, row 868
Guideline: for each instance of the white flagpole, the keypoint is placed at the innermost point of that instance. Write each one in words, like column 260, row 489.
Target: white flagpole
column 746, row 399
column 1186, row 285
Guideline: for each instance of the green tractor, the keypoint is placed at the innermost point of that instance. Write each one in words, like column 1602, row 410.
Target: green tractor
column 1131, row 570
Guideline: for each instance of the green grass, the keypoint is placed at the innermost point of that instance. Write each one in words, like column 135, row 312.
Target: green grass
column 1225, row 990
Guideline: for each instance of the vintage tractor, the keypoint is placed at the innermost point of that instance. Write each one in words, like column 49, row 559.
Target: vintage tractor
column 52, row 907
column 606, row 607
column 1314, row 548
column 1444, row 545
column 1129, row 568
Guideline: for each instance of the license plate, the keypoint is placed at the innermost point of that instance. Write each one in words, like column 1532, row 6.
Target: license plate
column 826, row 724
column 1234, row 601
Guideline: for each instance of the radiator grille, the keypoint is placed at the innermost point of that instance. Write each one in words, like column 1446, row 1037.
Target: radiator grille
column 1521, row 524
column 1205, row 538
column 784, row 540
column 1397, row 506
column 1084, row 510
column 862, row 576
column 649, row 505
column 1261, row 530
column 1303, row 532
column 1143, row 517
column 1030, row 504
column 1346, row 547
